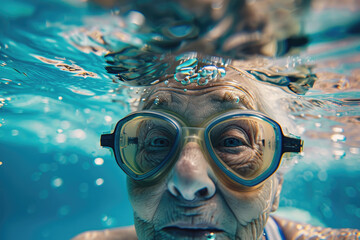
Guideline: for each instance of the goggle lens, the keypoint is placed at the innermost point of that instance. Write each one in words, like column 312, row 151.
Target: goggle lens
column 245, row 146
column 145, row 143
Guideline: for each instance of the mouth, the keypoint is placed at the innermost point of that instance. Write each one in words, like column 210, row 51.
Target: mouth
column 188, row 231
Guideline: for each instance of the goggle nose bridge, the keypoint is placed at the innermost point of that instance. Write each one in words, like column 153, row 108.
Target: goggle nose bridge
column 192, row 134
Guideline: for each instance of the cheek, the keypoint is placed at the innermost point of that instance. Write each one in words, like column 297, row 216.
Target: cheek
column 249, row 206
column 145, row 199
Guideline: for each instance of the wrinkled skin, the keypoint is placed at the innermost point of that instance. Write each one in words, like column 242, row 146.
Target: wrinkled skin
column 191, row 195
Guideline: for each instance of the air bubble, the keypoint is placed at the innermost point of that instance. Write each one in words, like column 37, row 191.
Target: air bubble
column 326, row 210
column 156, row 101
column 60, row 158
column 56, row 182
column 339, row 154
column 308, row 176
column 202, row 81
column 338, row 138
column 99, row 161
column 108, row 221
column 337, row 129
column 135, row 18
column 14, row 132
column 186, row 73
column 108, row 119
column 79, row 134
column 211, row 236
column 99, row 181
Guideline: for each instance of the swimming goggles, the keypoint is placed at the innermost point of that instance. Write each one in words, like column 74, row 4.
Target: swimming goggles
column 245, row 145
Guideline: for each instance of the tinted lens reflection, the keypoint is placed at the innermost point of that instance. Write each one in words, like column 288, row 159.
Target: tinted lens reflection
column 246, row 146
column 145, row 142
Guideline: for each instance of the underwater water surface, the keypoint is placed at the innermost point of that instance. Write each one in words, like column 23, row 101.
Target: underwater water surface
column 57, row 95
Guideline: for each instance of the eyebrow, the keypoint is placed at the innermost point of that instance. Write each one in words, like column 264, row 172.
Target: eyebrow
column 237, row 98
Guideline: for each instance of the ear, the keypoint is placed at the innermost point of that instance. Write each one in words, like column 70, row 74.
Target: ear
column 279, row 179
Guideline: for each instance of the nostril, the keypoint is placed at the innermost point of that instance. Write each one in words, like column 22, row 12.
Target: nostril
column 202, row 192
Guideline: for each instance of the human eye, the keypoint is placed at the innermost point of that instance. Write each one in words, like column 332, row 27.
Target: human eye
column 159, row 142
column 155, row 134
column 158, row 139
column 232, row 140
column 156, row 143
column 235, row 150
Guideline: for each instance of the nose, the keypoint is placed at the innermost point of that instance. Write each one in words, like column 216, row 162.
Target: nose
column 190, row 178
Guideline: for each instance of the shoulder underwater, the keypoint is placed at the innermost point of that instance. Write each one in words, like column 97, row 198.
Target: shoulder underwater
column 296, row 230
column 122, row 233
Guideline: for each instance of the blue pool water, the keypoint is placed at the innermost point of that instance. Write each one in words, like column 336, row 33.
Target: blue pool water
column 56, row 98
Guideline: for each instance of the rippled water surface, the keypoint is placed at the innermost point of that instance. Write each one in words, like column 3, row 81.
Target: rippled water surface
column 62, row 68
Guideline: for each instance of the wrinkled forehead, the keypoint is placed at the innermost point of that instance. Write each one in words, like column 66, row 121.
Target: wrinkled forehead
column 196, row 104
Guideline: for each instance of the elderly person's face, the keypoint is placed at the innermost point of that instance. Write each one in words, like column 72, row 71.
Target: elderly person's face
column 192, row 200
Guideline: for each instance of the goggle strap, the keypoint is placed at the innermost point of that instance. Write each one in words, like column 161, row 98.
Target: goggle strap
column 107, row 140
column 292, row 144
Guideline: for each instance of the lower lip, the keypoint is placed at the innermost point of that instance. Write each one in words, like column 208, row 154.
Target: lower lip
column 190, row 233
